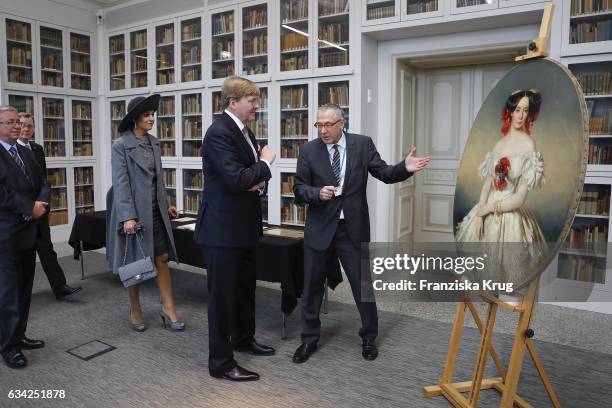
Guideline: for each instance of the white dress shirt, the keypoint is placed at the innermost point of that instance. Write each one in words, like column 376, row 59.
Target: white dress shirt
column 342, row 151
column 241, row 126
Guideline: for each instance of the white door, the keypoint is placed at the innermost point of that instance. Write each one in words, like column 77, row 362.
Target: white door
column 448, row 101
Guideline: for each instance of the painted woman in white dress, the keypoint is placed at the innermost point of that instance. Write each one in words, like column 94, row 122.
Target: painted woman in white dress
column 512, row 169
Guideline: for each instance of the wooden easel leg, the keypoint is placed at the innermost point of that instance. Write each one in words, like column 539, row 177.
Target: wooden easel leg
column 494, row 356
column 518, row 348
column 485, row 344
column 453, row 346
column 540, row 367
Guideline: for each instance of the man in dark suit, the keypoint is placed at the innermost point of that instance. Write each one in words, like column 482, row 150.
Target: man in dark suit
column 44, row 246
column 229, row 227
column 331, row 177
column 24, row 196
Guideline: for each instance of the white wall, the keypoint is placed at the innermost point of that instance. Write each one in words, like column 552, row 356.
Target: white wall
column 72, row 15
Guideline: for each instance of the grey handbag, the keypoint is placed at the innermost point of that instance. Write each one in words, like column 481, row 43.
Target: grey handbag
column 138, row 271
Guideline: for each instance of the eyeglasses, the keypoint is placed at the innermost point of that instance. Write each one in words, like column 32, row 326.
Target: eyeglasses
column 12, row 123
column 27, row 126
column 320, row 125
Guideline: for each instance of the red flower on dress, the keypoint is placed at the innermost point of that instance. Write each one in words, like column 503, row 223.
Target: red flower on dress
column 501, row 173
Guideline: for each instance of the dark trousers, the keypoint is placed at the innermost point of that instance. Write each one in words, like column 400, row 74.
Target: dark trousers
column 16, row 280
column 48, row 257
column 231, row 304
column 315, row 273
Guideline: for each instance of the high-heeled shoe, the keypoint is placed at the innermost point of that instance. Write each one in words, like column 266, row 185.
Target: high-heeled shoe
column 174, row 326
column 137, row 327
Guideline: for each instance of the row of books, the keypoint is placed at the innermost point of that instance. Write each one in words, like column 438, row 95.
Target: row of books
column 56, row 177
column 422, row 6
column 600, row 154
column 471, row 3
column 117, row 110
column 164, row 34
column 165, row 130
column 167, row 149
column 338, row 94
column 80, row 66
column 223, row 71
column 598, row 83
column 255, row 45
column 52, row 79
column 192, row 149
column 117, row 66
column 81, row 110
column 192, row 74
column 139, row 64
column 82, row 133
column 117, row 83
column 83, row 175
column 53, row 131
column 590, row 32
column 166, row 106
column 139, row 39
column 192, row 129
column 333, row 7
column 191, row 55
column 191, row 201
column 594, row 203
column 287, row 185
column 293, row 41
column 78, row 82
column 20, row 56
column 59, row 199
column 294, row 10
column 171, row 198
column 169, row 176
column 294, row 97
column 58, row 218
column 52, row 61
column 82, row 149
column 601, row 125
column 293, row 214
column 333, row 59
column 255, row 18
column 579, row 7
column 259, row 127
column 377, row 12
column 294, row 63
column 254, row 69
column 223, row 23
column 22, row 104
column 116, row 44
column 55, row 149
column 294, row 126
column 84, row 197
column 18, row 31
column 139, row 80
column 591, row 238
column 165, row 78
column 586, row 269
column 79, row 43
column 290, row 149
column 191, row 105
column 334, row 33
column 88, row 209
column 223, row 50
column 50, row 37
column 165, row 59
column 193, row 179
column 191, row 31
column 54, row 108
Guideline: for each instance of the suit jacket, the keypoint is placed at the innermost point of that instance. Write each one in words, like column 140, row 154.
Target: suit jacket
column 17, row 197
column 314, row 171
column 229, row 215
column 39, row 155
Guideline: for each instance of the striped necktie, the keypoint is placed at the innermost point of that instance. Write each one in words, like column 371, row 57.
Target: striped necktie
column 20, row 164
column 245, row 133
column 336, row 164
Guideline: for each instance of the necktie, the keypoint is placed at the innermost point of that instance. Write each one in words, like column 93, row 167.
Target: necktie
column 13, row 152
column 245, row 133
column 29, row 146
column 336, row 164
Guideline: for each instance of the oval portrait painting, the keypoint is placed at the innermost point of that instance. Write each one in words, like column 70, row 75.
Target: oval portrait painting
column 522, row 171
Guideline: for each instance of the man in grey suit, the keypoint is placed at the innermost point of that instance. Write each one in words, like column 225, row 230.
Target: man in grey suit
column 331, row 177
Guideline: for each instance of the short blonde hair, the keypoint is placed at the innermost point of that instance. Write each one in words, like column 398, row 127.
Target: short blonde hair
column 235, row 87
column 26, row 115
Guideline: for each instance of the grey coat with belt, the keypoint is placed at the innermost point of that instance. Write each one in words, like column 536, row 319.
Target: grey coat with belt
column 131, row 199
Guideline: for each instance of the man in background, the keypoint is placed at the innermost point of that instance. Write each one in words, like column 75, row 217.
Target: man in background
column 24, row 196
column 44, row 246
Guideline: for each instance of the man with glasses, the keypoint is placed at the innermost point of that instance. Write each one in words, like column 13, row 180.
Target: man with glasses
column 331, row 177
column 44, row 246
column 24, row 197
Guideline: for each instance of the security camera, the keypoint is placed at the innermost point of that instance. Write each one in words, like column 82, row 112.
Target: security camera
column 100, row 17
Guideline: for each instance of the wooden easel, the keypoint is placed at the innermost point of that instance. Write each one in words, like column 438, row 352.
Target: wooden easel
column 507, row 382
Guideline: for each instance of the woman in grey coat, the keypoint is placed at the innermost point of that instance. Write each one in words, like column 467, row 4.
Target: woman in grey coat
column 139, row 199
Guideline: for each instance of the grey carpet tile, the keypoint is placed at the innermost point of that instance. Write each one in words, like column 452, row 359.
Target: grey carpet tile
column 159, row 368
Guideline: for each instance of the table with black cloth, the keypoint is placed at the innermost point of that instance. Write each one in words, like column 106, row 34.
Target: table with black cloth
column 279, row 259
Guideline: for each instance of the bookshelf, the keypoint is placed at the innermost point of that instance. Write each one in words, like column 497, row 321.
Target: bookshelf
column 223, row 39
column 379, row 11
column 82, row 134
column 294, row 119
column 193, row 183
column 294, row 33
column 468, row 6
column 217, row 105
column 191, row 115
column 19, row 58
column 164, row 54
column 53, row 127
column 58, row 203
column 259, row 125
column 336, row 92
column 84, row 190
column 23, row 103
column 117, row 112
column 587, row 26
column 191, row 50
column 333, row 39
column 138, row 58
column 51, row 57
column 169, row 175
column 291, row 214
column 255, row 39
column 166, row 122
column 80, row 61
column 116, row 50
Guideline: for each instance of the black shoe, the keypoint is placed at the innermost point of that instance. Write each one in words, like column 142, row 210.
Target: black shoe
column 256, row 349
column 29, row 344
column 304, row 352
column 15, row 359
column 65, row 290
column 237, row 374
column 369, row 350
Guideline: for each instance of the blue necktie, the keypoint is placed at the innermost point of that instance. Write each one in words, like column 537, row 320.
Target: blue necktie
column 336, row 164
column 13, row 152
